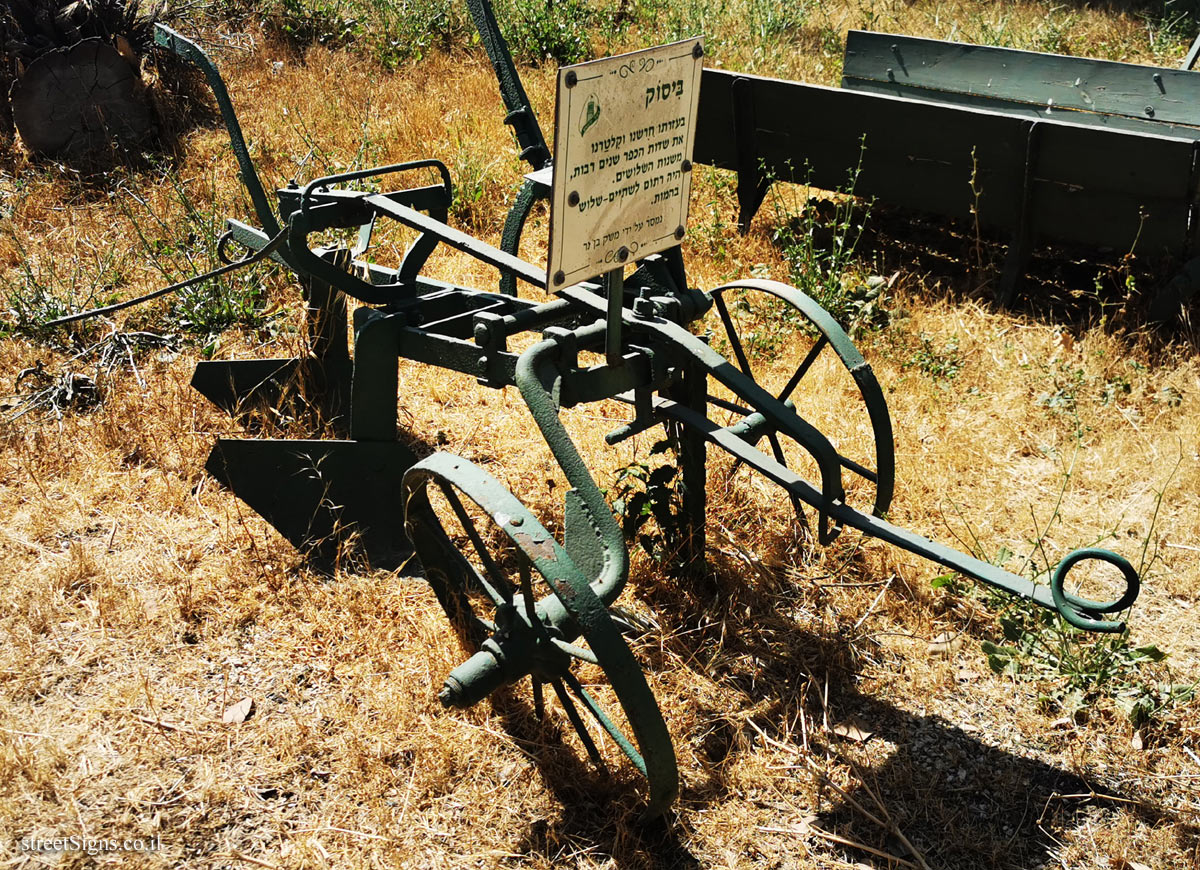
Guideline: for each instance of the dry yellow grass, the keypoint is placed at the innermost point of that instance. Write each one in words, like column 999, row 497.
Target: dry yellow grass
column 140, row 600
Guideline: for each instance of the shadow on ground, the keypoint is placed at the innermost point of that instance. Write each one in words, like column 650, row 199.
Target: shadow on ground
column 962, row 802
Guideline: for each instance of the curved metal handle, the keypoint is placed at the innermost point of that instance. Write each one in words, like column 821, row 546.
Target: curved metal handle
column 1082, row 612
column 188, row 50
column 373, row 172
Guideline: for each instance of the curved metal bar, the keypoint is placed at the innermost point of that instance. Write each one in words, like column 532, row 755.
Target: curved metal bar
column 374, row 172
column 520, row 114
column 1081, row 612
column 190, row 51
column 1078, row 611
column 300, row 225
column 536, row 372
column 514, row 225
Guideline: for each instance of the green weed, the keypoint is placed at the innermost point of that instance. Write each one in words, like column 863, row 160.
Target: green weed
column 393, row 31
column 1171, row 21
column 1077, row 669
column 409, row 30
column 42, row 288
column 819, row 241
column 770, row 19
column 713, row 234
column 181, row 241
column 305, row 22
column 473, row 183
column 939, row 363
column 540, row 31
column 1053, row 34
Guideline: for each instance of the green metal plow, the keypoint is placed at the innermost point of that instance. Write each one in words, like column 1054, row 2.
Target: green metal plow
column 523, row 603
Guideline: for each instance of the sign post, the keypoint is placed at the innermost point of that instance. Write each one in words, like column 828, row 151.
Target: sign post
column 624, row 132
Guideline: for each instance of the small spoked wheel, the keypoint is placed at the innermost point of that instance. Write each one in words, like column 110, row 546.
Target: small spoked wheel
column 488, row 560
column 794, row 349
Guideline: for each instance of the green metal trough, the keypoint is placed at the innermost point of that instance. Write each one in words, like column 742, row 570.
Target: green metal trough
column 1040, row 146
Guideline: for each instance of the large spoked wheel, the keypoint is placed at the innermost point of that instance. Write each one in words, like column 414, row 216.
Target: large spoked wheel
column 793, row 348
column 488, row 558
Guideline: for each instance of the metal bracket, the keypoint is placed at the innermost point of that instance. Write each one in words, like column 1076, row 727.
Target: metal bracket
column 1016, row 262
column 752, row 186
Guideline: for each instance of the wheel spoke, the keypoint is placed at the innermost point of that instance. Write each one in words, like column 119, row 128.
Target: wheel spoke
column 728, row 405
column 777, row 448
column 803, row 368
column 504, row 594
column 577, row 720
column 607, row 724
column 527, row 592
column 735, row 340
column 578, row 652
column 861, row 470
column 539, row 703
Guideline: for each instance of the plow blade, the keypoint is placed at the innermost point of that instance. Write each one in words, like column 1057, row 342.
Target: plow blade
column 322, row 495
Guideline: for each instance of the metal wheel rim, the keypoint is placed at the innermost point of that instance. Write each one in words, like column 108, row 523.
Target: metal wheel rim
column 654, row 756
column 832, row 335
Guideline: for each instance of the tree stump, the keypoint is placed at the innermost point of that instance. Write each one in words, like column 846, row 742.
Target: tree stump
column 85, row 101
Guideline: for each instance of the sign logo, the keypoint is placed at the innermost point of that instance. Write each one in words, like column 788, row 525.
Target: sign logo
column 591, row 114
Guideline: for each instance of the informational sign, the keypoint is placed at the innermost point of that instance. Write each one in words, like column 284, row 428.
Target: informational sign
column 623, row 138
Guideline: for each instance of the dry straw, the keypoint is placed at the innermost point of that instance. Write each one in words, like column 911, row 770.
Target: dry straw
column 140, row 601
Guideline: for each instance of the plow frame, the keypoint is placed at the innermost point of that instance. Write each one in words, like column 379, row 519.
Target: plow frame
column 369, row 481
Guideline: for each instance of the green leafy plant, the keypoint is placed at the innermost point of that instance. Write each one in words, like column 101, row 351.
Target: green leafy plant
column 939, row 363
column 819, row 240
column 547, row 30
column 304, row 22
column 1080, row 668
column 404, row 30
column 649, row 503
column 393, row 31
column 182, row 245
column 770, row 19
column 1063, row 399
column 42, row 288
column 1171, row 20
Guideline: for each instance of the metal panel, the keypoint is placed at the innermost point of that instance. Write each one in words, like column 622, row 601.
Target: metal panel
column 1103, row 219
column 319, row 493
column 1091, row 185
column 915, row 154
column 1026, row 110
column 1082, row 84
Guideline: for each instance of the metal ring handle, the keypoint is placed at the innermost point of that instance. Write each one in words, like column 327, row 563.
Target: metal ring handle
column 1081, row 612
